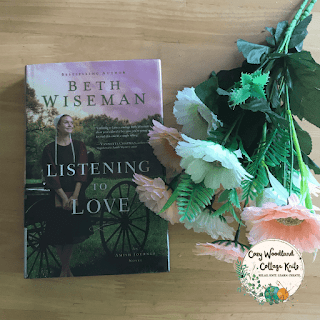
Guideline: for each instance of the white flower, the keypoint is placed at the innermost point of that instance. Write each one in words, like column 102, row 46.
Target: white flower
column 279, row 195
column 212, row 225
column 195, row 117
column 270, row 195
column 313, row 184
column 210, row 162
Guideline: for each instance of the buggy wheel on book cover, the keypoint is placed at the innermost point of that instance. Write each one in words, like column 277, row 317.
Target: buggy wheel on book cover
column 41, row 259
column 124, row 221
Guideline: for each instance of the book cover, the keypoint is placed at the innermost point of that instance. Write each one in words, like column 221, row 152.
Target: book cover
column 87, row 125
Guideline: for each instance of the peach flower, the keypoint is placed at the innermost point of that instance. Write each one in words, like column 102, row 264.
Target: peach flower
column 227, row 251
column 154, row 194
column 163, row 141
column 292, row 223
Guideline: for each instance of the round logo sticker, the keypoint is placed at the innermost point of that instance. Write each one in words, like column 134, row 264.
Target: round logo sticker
column 271, row 271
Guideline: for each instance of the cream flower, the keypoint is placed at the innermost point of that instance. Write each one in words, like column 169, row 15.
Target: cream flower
column 292, row 223
column 195, row 117
column 163, row 141
column 313, row 184
column 154, row 194
column 210, row 162
column 270, row 195
column 225, row 251
column 212, row 225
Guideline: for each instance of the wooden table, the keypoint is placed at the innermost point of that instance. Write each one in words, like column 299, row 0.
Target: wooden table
column 192, row 38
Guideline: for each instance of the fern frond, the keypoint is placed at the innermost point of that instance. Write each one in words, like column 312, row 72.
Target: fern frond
column 279, row 149
column 233, row 198
column 192, row 197
column 274, row 152
column 227, row 208
column 251, row 189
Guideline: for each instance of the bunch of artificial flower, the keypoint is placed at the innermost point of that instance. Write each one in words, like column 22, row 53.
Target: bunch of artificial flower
column 241, row 155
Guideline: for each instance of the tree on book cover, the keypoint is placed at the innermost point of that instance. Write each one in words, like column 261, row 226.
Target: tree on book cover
column 87, row 125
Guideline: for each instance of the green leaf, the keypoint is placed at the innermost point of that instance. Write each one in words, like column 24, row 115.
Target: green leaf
column 170, row 201
column 260, row 78
column 305, row 92
column 192, row 198
column 252, row 85
column 257, row 105
column 299, row 32
column 278, row 120
column 207, row 92
column 244, row 152
column 309, row 162
column 274, row 96
column 239, row 96
column 288, row 78
column 227, row 207
column 222, row 92
column 246, row 78
column 224, row 196
column 271, row 30
column 251, row 51
column 278, row 151
column 254, row 187
column 280, row 31
column 271, row 40
column 304, row 139
column 272, row 151
column 277, row 34
column 234, row 199
column 258, row 92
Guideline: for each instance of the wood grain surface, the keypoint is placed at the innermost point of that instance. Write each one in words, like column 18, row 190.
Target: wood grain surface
column 192, row 38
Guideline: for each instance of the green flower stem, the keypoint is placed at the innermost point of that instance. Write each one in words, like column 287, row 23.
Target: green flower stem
column 291, row 161
column 229, row 132
column 300, row 15
column 263, row 140
column 285, row 43
column 304, row 188
column 308, row 10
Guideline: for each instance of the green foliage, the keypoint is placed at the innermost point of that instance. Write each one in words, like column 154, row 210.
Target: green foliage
column 278, row 148
column 310, row 163
column 232, row 200
column 299, row 34
column 305, row 93
column 230, row 195
column 207, row 92
column 255, row 105
column 252, row 188
column 272, row 152
column 252, row 52
column 277, row 34
column 304, row 138
column 252, row 85
column 192, row 197
column 239, row 96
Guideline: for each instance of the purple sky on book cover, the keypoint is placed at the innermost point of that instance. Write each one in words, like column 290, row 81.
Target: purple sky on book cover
column 94, row 79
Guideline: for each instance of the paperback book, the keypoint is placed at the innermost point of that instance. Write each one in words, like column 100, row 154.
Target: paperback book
column 86, row 136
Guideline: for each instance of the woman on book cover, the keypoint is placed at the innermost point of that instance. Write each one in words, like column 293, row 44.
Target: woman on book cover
column 66, row 180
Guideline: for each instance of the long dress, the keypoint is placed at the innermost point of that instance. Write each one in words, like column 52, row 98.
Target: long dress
column 63, row 227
